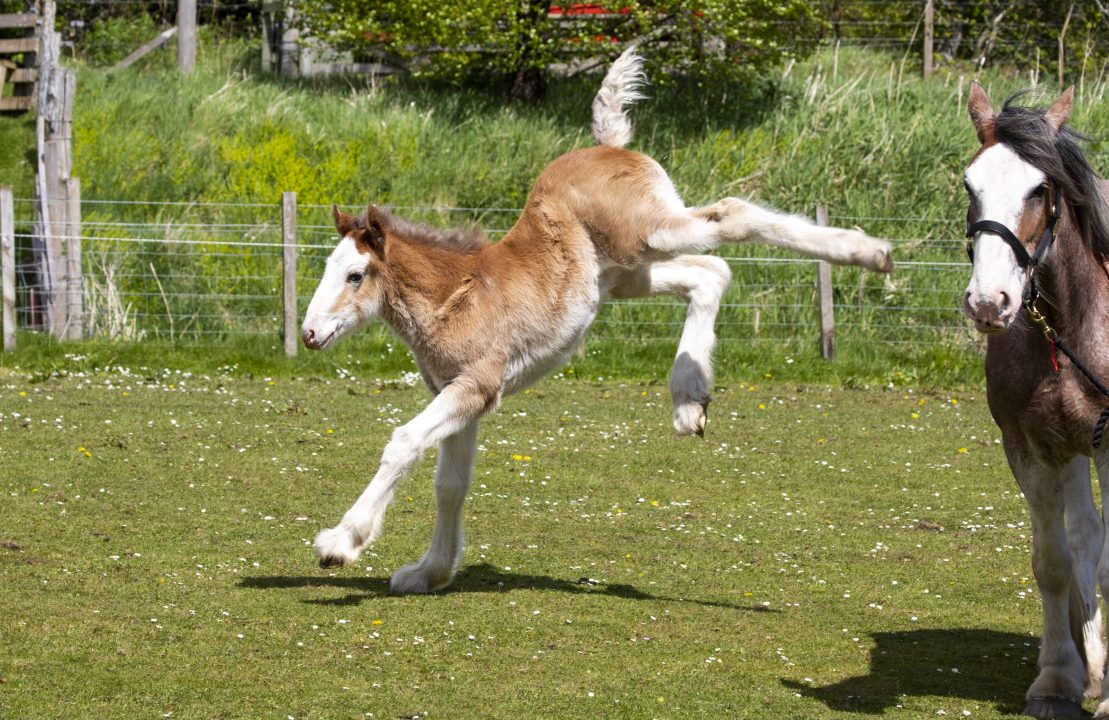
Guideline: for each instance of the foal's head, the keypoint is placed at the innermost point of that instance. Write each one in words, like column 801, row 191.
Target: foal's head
column 350, row 291
column 1029, row 168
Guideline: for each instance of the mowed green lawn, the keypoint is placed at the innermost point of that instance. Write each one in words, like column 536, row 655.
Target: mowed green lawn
column 820, row 553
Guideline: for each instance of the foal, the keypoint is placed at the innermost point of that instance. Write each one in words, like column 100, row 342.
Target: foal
column 486, row 319
column 1039, row 223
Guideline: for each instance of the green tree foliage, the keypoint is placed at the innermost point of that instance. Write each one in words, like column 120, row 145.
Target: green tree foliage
column 525, row 40
column 1020, row 34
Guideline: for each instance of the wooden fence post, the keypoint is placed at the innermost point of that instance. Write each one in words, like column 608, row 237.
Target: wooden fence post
column 929, row 35
column 7, row 265
column 186, row 35
column 289, row 247
column 75, row 304
column 824, row 288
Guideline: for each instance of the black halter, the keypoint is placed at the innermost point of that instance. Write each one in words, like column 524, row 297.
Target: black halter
column 1030, row 263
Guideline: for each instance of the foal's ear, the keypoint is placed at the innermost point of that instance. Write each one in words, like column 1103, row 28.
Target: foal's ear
column 344, row 223
column 981, row 113
column 1058, row 113
column 374, row 221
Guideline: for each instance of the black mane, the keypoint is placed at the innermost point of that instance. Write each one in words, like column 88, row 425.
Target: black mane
column 1059, row 156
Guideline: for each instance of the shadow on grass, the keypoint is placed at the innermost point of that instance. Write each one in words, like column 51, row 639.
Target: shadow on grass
column 964, row 664
column 482, row 578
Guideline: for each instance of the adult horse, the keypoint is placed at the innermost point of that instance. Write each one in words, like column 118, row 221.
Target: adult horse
column 1038, row 235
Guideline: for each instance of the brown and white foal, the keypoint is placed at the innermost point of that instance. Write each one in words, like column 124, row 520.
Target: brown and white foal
column 486, row 319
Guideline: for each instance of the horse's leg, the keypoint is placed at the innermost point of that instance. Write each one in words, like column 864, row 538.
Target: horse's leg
column 1101, row 460
column 1085, row 534
column 732, row 220
column 701, row 281
column 452, row 480
column 1058, row 688
column 460, row 403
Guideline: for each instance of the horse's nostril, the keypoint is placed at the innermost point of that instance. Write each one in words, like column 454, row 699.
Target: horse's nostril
column 1003, row 300
column 309, row 336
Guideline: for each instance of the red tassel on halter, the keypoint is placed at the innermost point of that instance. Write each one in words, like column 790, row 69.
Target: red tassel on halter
column 1054, row 358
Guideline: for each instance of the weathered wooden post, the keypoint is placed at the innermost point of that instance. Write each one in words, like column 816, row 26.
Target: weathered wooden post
column 186, row 35
column 824, row 289
column 75, row 304
column 58, row 216
column 289, row 256
column 929, row 35
column 7, row 265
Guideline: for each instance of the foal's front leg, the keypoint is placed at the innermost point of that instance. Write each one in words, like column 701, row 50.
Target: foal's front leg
column 701, row 281
column 453, row 410
column 452, row 480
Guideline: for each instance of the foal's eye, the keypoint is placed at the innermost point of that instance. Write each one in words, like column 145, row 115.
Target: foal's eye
column 354, row 278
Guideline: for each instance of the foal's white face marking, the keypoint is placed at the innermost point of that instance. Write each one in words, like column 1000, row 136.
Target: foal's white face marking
column 999, row 183
column 345, row 299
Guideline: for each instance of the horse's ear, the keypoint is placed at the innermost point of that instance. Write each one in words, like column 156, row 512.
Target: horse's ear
column 981, row 113
column 374, row 221
column 343, row 223
column 1058, row 113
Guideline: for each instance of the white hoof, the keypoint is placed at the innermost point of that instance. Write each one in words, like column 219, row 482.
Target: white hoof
column 334, row 547
column 690, row 418
column 881, row 260
column 417, row 579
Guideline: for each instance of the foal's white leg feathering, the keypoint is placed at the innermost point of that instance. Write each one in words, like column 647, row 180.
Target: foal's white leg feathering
column 701, row 281
column 448, row 413
column 452, row 480
column 732, row 220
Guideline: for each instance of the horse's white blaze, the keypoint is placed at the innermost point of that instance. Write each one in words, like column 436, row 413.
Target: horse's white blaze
column 1000, row 181
column 335, row 310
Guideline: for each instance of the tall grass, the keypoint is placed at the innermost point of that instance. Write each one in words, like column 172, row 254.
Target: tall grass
column 853, row 129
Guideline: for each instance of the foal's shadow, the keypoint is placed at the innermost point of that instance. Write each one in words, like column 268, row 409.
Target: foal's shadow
column 964, row 664
column 481, row 578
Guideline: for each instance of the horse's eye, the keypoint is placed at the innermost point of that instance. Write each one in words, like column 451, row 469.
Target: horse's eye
column 1039, row 192
column 354, row 278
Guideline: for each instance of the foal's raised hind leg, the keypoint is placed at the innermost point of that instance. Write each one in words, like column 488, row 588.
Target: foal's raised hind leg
column 456, row 407
column 732, row 220
column 453, row 472
column 701, row 281
column 1058, row 688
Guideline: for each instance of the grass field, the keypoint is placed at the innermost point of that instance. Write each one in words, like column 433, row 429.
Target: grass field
column 823, row 552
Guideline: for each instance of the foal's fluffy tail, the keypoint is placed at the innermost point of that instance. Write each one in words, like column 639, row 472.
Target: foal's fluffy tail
column 611, row 125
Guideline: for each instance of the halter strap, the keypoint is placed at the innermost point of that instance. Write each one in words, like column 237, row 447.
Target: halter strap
column 1026, row 261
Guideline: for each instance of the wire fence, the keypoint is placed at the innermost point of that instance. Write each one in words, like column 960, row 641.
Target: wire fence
column 202, row 272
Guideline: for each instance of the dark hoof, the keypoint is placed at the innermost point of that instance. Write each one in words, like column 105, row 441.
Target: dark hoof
column 1047, row 708
column 704, row 418
column 331, row 562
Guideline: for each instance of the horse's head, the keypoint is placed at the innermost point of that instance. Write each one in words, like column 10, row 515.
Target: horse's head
column 1009, row 182
column 350, row 291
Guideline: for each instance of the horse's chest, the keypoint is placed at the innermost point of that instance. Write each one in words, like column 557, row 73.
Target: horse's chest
column 1046, row 410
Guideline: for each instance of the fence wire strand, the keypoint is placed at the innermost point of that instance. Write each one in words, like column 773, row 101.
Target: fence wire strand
column 203, row 275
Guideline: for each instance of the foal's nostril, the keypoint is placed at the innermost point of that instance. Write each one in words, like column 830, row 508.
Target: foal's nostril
column 309, row 336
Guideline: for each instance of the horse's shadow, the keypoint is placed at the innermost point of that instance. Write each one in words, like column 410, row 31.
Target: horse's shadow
column 966, row 664
column 481, row 578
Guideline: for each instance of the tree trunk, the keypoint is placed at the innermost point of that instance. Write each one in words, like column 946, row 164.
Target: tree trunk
column 529, row 85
